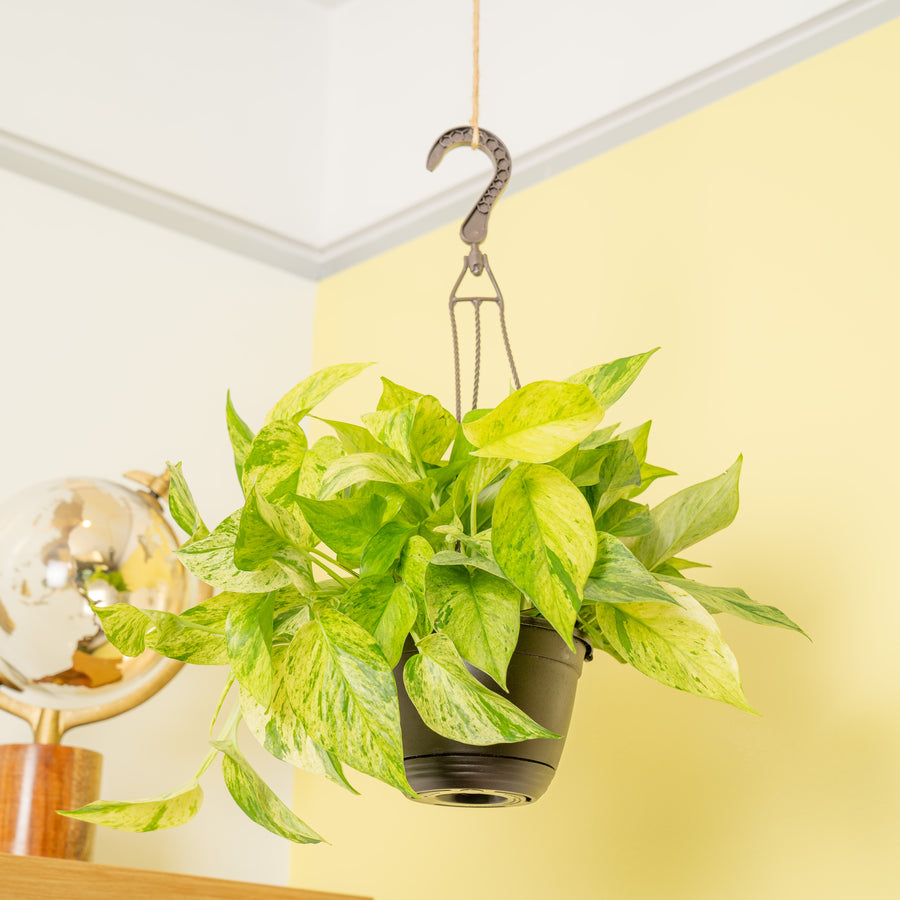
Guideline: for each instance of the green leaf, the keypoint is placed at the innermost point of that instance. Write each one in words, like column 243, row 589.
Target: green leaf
column 258, row 800
column 433, row 430
column 544, row 540
column 306, row 395
column 345, row 525
column 165, row 811
column 355, row 438
column 479, row 612
column 240, row 434
column 617, row 577
column 357, row 467
column 212, row 560
column 315, row 464
column 638, row 437
column 413, row 564
column 625, row 519
column 608, row 382
column 649, row 474
column 393, row 427
column 598, row 438
column 537, row 423
column 248, row 637
column 344, row 692
column 473, row 479
column 733, row 601
column 452, row 558
column 677, row 644
column 418, row 429
column 394, row 395
column 384, row 547
column 452, row 702
column 689, row 516
column 182, row 506
column 385, row 609
column 256, row 542
column 274, row 460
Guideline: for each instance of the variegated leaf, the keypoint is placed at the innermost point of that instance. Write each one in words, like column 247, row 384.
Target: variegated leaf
column 274, row 459
column 345, row 525
column 537, row 423
column 165, row 811
column 617, row 577
column 212, row 560
column 310, row 392
column 385, row 609
column 452, row 702
column 384, row 547
column 479, row 612
column 677, row 644
column 182, row 507
column 258, row 800
column 344, row 692
column 240, row 434
column 413, row 565
column 544, row 541
column 282, row 734
column 350, row 470
column 733, row 601
column 689, row 516
column 608, row 382
column 248, row 638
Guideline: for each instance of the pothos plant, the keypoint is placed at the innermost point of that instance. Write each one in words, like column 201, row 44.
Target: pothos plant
column 412, row 526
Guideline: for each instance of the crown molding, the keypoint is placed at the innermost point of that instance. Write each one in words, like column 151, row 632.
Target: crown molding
column 220, row 229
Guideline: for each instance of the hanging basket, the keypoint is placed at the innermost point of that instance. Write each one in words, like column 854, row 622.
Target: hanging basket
column 542, row 676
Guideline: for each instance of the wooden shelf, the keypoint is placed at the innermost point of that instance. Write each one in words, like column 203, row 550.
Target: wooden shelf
column 43, row 878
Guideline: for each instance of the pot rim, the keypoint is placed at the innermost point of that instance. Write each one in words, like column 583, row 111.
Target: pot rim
column 538, row 621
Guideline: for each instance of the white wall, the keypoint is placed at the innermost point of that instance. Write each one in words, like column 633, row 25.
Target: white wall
column 119, row 341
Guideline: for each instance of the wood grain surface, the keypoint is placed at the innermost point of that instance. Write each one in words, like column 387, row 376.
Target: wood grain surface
column 35, row 781
column 33, row 878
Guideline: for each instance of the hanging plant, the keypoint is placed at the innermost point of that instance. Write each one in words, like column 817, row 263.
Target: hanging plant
column 413, row 530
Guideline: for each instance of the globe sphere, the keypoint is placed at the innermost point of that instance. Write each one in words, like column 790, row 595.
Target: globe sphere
column 67, row 546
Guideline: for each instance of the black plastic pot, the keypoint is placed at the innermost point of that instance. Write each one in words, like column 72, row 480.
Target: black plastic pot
column 542, row 676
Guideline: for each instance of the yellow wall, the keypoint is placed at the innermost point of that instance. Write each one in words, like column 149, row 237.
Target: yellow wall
column 758, row 242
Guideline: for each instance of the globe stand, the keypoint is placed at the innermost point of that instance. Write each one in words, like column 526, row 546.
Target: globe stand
column 39, row 778
column 35, row 781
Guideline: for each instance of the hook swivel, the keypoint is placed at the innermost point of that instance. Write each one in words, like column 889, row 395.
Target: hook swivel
column 474, row 228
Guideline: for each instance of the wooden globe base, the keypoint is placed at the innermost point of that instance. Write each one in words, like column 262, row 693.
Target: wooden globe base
column 35, row 781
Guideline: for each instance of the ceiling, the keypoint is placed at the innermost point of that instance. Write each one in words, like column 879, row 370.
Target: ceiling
column 295, row 131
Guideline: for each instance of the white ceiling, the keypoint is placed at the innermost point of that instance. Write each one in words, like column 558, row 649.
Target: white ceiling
column 295, row 131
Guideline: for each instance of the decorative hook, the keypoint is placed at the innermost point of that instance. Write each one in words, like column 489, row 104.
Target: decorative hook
column 474, row 228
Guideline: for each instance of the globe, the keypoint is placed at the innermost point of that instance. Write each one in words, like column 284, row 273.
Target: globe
column 65, row 547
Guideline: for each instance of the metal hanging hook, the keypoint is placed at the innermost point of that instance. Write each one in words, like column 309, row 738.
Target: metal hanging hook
column 474, row 228
column 473, row 232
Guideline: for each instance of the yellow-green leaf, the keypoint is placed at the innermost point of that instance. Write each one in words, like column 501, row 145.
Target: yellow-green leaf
column 165, row 811
column 608, row 382
column 452, row 702
column 543, row 538
column 479, row 612
column 537, row 423
column 689, row 516
column 677, row 644
column 258, row 800
column 306, row 395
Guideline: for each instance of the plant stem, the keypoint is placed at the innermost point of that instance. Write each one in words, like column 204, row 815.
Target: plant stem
column 325, row 562
column 227, row 731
